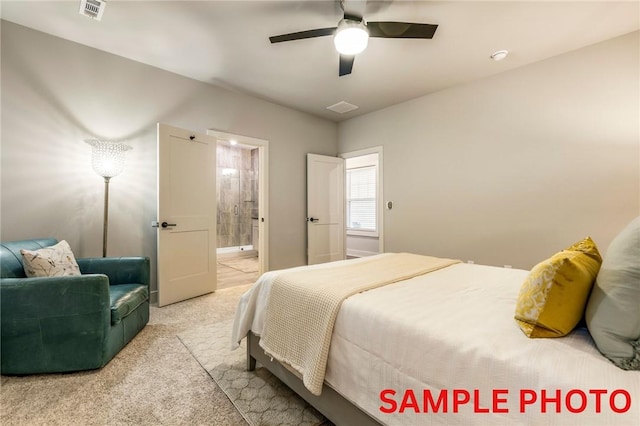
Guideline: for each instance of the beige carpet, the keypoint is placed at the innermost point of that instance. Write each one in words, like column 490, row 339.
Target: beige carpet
column 260, row 397
column 154, row 380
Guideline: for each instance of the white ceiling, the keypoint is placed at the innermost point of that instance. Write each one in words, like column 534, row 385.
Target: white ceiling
column 226, row 43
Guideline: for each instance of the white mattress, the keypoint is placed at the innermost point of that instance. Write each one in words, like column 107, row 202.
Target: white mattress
column 453, row 329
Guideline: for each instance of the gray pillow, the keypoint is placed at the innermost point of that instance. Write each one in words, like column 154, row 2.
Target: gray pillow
column 613, row 310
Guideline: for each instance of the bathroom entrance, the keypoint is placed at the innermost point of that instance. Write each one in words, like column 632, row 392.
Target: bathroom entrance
column 237, row 193
column 240, row 216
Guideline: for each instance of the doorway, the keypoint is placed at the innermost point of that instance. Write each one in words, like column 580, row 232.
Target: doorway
column 241, row 185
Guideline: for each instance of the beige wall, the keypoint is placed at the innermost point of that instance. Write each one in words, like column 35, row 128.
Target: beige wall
column 512, row 168
column 56, row 93
column 502, row 171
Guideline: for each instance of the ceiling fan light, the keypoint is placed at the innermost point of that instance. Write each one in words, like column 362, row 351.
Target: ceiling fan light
column 351, row 37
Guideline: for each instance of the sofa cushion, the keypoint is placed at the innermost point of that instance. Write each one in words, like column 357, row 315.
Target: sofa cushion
column 11, row 259
column 125, row 298
column 54, row 261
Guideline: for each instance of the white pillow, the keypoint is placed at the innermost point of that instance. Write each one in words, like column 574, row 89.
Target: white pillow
column 613, row 311
column 54, row 261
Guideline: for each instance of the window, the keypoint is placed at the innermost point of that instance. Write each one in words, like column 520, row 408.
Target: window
column 361, row 199
column 363, row 195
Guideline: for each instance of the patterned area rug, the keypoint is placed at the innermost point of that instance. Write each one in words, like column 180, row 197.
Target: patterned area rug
column 261, row 398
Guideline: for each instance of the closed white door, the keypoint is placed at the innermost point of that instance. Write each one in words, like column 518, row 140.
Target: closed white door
column 186, row 214
column 325, row 209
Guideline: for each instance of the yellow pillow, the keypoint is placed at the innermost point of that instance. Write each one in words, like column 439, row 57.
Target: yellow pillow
column 554, row 295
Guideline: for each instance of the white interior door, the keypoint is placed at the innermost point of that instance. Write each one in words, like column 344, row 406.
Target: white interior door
column 325, row 209
column 186, row 214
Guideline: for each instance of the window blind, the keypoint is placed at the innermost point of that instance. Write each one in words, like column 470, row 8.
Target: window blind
column 361, row 198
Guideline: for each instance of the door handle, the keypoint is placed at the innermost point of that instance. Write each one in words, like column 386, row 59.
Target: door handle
column 166, row 225
column 311, row 219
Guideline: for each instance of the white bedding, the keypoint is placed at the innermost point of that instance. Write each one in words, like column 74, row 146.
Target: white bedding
column 453, row 329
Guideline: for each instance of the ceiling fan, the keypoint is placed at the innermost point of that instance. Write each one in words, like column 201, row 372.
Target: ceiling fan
column 352, row 35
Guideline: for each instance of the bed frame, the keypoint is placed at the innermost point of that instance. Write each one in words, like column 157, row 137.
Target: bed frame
column 330, row 403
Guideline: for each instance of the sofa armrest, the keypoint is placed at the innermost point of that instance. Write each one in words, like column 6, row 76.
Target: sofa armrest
column 54, row 323
column 53, row 296
column 120, row 270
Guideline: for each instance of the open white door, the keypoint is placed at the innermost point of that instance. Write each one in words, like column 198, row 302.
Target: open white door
column 325, row 209
column 186, row 214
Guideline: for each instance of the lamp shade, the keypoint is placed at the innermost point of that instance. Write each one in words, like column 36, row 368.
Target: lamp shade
column 351, row 37
column 107, row 157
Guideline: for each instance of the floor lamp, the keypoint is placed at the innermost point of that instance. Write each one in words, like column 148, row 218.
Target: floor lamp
column 107, row 160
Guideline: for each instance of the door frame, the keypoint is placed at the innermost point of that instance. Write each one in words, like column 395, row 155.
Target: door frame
column 380, row 204
column 263, row 190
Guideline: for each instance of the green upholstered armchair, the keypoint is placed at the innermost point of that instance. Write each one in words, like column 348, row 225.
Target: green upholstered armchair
column 58, row 324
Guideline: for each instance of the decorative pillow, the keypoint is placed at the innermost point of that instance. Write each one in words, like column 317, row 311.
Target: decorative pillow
column 613, row 310
column 553, row 297
column 54, row 261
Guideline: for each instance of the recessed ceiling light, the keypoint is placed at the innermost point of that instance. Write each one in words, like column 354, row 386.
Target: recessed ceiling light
column 233, row 142
column 499, row 55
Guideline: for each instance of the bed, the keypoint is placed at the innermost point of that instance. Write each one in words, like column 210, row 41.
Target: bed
column 443, row 348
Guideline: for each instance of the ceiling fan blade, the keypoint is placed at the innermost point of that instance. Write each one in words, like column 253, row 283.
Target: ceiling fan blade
column 320, row 32
column 346, row 64
column 401, row 30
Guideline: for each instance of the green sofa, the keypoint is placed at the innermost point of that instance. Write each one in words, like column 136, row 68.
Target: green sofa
column 60, row 324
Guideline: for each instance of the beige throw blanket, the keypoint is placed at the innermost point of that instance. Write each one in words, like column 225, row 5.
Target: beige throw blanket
column 303, row 306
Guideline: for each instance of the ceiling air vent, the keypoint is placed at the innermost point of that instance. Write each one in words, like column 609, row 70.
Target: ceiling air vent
column 342, row 107
column 92, row 8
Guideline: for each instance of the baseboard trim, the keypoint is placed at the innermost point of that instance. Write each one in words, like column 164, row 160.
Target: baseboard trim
column 360, row 253
column 153, row 298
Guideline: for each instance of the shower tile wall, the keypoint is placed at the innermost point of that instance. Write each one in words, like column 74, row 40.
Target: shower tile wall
column 236, row 187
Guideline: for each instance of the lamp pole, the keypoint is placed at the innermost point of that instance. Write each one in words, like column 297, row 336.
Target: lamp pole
column 106, row 216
